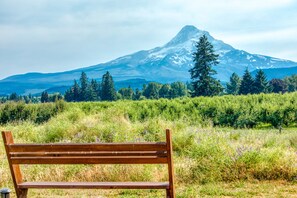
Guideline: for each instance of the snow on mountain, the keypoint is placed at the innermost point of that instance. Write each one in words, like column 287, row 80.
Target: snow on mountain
column 172, row 61
column 168, row 63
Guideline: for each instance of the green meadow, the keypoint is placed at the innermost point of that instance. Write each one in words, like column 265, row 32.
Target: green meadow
column 224, row 146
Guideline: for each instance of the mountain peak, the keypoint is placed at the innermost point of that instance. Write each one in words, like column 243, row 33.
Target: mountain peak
column 188, row 28
column 185, row 34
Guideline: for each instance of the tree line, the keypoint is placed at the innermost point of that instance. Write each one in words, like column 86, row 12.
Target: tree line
column 249, row 85
column 45, row 97
column 204, row 84
column 91, row 90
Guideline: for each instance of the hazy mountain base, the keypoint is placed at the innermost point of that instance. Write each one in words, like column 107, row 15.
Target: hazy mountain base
column 168, row 63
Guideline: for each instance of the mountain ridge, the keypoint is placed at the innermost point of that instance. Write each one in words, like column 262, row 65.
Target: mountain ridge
column 167, row 63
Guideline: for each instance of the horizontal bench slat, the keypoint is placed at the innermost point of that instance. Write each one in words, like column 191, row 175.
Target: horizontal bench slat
column 96, row 185
column 90, row 160
column 90, row 153
column 159, row 146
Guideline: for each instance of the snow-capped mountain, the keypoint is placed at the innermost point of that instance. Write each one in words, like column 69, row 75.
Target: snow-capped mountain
column 168, row 63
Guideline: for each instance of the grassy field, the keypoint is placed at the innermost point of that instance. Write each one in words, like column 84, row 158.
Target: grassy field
column 209, row 160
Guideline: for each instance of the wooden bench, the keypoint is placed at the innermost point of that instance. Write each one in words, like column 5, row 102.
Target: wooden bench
column 92, row 153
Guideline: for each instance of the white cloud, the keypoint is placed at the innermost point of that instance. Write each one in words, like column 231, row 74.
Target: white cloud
column 60, row 35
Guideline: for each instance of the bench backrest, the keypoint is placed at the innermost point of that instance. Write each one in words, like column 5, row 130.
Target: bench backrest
column 92, row 153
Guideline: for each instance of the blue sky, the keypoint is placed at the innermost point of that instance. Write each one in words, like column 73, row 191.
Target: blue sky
column 56, row 35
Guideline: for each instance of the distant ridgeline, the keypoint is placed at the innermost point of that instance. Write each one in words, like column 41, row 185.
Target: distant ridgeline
column 165, row 64
column 91, row 90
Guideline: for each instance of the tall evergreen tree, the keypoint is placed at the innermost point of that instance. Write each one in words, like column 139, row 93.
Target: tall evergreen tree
column 84, row 87
column 108, row 92
column 68, row 95
column 14, row 96
column 261, row 84
column 44, row 97
column 247, row 83
column 234, row 84
column 201, row 74
column 137, row 95
column 94, row 91
column 75, row 92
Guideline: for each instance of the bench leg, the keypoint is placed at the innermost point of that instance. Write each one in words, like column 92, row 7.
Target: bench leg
column 169, row 193
column 22, row 193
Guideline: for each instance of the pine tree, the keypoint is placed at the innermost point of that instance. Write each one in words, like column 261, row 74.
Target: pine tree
column 108, row 92
column 93, row 91
column 68, row 95
column 247, row 83
column 261, row 85
column 84, row 87
column 201, row 74
column 137, row 95
column 14, row 96
column 44, row 97
column 76, row 92
column 234, row 84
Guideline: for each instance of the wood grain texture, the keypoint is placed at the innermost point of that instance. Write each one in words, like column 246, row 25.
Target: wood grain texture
column 14, row 168
column 97, row 185
column 92, row 153
column 90, row 160
column 159, row 146
column 171, row 191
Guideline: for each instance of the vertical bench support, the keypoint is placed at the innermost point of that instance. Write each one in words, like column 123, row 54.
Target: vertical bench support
column 14, row 168
column 170, row 192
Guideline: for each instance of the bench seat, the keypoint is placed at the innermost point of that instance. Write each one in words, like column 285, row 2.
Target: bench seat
column 88, row 153
column 96, row 185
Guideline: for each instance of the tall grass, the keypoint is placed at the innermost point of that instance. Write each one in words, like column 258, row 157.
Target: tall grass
column 204, row 151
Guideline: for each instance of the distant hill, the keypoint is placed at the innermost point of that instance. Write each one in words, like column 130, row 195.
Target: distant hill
column 165, row 64
column 278, row 72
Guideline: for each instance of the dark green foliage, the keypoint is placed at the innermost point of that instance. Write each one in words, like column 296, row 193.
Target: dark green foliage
column 178, row 89
column 261, row 85
column 108, row 92
column 291, row 82
column 55, row 97
column 201, row 74
column 233, row 85
column 137, row 95
column 86, row 91
column 278, row 86
column 151, row 91
column 226, row 111
column 14, row 97
column 126, row 93
column 38, row 113
column 94, row 91
column 165, row 91
column 75, row 92
column 247, row 83
column 44, row 97
column 84, row 88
